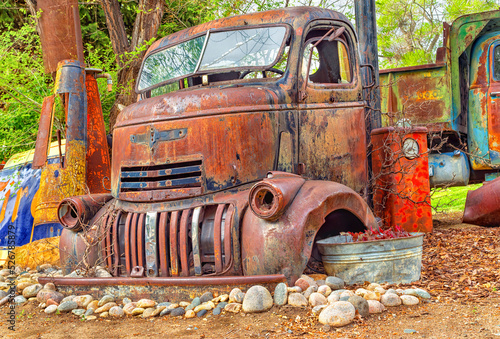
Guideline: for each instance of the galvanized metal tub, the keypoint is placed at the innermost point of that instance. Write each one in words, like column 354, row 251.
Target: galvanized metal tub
column 379, row 261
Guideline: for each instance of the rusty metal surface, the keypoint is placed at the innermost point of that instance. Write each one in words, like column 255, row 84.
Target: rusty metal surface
column 76, row 212
column 98, row 162
column 401, row 192
column 43, row 136
column 173, row 289
column 60, row 33
column 482, row 206
column 58, row 182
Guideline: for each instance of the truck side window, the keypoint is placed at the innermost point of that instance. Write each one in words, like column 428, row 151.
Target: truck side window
column 330, row 61
column 496, row 63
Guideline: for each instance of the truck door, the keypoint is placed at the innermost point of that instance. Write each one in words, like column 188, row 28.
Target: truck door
column 332, row 134
column 494, row 103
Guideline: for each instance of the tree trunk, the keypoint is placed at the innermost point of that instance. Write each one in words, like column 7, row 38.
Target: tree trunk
column 146, row 25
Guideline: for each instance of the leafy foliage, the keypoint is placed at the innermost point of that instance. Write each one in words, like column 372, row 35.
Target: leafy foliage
column 409, row 32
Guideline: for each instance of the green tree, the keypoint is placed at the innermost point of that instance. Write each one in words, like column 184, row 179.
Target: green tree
column 410, row 31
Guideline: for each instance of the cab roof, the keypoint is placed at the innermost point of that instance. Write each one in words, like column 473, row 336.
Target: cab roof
column 296, row 17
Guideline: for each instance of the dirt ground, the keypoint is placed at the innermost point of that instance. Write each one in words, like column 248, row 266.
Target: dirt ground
column 460, row 268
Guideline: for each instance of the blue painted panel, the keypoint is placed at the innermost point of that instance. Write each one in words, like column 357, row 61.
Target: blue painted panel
column 22, row 181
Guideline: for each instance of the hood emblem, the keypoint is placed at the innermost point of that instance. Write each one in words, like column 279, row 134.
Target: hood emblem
column 153, row 136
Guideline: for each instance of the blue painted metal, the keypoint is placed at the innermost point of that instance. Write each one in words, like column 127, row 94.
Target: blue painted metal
column 21, row 184
column 449, row 169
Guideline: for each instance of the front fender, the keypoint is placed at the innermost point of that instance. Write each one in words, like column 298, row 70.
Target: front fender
column 284, row 245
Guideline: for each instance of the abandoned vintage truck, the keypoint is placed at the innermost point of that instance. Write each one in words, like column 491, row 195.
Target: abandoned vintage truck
column 247, row 144
column 456, row 98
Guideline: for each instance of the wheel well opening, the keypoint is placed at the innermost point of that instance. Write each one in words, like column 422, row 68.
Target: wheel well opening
column 336, row 222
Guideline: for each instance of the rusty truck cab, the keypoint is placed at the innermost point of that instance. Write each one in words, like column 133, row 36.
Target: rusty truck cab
column 247, row 144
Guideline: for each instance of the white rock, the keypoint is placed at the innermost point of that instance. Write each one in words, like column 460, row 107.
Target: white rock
column 390, row 300
column 297, row 300
column 332, row 298
column 409, row 300
column 317, row 299
column 337, row 314
column 325, row 290
column 375, row 306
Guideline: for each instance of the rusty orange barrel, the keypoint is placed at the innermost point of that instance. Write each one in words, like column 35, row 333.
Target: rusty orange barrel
column 401, row 191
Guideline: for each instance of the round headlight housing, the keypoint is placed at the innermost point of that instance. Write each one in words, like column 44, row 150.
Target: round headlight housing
column 266, row 201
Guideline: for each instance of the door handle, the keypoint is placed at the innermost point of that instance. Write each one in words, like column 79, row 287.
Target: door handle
column 495, row 94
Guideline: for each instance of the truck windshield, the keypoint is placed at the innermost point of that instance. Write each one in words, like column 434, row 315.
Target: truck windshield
column 255, row 48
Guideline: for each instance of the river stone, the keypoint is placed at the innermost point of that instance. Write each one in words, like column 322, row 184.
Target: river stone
column 334, row 283
column 4, row 300
column 297, row 300
column 50, row 309
column 207, row 296
column 317, row 309
column 104, row 314
column 32, row 290
column 106, row 299
column 165, row 303
column 176, row 312
column 375, row 306
column 361, row 292
column 22, row 285
column 83, row 300
column 333, row 297
column 137, row 311
column 20, row 300
column 280, row 294
column 233, row 307
column 390, row 300
column 49, row 286
column 146, row 303
column 165, row 312
column 338, row 314
column 43, row 267
column 372, row 286
column 294, row 289
column 91, row 317
column 310, row 290
column 317, row 299
column 89, row 312
column 309, row 280
column 257, row 299
column 201, row 313
column 209, row 305
column 148, row 312
column 51, row 302
column 360, row 304
column 325, row 290
column 3, row 294
column 236, row 295
column 67, row 306
column 106, row 307
column 222, row 304
column 380, row 290
column 409, row 300
column 93, row 305
column 422, row 293
column 216, row 310
column 400, row 291
column 190, row 314
column 391, row 290
column 45, row 294
column 78, row 312
column 302, row 283
column 347, row 293
column 102, row 273
column 196, row 302
column 370, row 295
column 344, row 298
column 224, row 297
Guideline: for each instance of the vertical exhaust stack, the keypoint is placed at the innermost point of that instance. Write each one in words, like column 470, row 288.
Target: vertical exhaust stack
column 60, row 32
column 366, row 26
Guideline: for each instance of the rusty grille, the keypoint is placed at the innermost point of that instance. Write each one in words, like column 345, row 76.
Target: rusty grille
column 190, row 242
column 186, row 174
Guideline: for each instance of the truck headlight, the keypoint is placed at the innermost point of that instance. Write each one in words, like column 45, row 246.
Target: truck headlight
column 410, row 148
column 266, row 201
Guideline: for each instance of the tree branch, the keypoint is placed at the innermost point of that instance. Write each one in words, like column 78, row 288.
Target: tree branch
column 116, row 28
